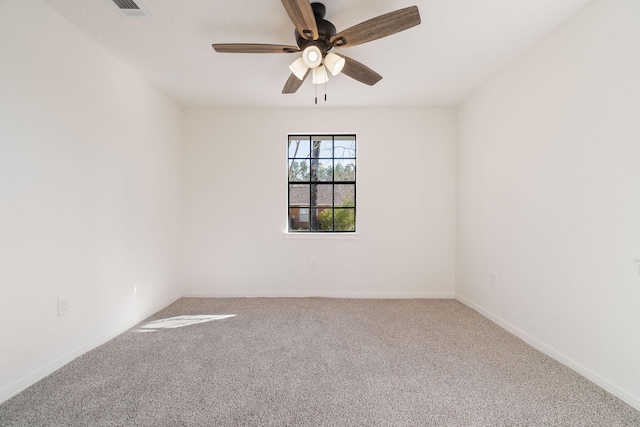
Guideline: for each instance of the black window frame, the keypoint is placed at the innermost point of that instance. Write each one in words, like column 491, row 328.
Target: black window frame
column 349, row 186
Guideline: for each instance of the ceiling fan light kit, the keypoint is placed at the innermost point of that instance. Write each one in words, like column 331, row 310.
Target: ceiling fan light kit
column 334, row 63
column 299, row 68
column 312, row 56
column 315, row 37
column 320, row 75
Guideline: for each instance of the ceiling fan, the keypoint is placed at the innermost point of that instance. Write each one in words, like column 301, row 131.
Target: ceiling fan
column 315, row 37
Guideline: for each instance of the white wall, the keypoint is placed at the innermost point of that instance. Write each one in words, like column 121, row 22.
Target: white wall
column 89, row 194
column 235, row 205
column 549, row 170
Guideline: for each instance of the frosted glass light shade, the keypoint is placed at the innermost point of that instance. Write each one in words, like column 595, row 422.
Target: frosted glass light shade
column 312, row 56
column 320, row 75
column 299, row 68
column 334, row 63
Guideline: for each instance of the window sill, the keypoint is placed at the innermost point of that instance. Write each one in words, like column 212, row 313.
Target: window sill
column 321, row 236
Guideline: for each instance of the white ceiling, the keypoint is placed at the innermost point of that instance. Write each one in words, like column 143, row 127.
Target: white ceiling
column 438, row 63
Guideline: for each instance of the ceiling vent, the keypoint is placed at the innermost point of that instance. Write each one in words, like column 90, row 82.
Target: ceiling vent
column 131, row 8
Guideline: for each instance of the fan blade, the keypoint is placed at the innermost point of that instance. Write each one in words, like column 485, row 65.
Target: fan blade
column 360, row 72
column 376, row 28
column 294, row 83
column 302, row 16
column 254, row 48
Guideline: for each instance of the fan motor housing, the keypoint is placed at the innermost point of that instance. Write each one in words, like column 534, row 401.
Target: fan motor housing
column 326, row 30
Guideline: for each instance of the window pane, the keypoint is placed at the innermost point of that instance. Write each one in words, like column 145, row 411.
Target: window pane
column 345, row 170
column 296, row 222
column 324, row 170
column 299, row 148
column 345, row 147
column 322, row 146
column 321, row 195
column 344, row 219
column 304, row 214
column 298, row 195
column 299, row 170
column 324, row 220
column 344, row 195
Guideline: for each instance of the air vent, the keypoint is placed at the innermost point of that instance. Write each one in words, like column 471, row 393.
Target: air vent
column 131, row 8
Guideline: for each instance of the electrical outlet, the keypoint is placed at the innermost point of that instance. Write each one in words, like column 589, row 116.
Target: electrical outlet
column 63, row 306
column 493, row 279
column 312, row 264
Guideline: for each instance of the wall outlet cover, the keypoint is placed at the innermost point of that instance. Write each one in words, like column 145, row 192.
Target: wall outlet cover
column 63, row 306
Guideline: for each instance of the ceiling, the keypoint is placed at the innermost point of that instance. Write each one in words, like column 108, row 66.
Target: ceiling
column 458, row 45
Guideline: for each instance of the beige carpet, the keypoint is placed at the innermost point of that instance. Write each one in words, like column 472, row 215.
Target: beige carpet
column 316, row 362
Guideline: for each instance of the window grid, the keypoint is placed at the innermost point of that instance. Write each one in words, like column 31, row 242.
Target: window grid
column 310, row 182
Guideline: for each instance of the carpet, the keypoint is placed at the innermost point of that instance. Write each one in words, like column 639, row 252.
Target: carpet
column 315, row 362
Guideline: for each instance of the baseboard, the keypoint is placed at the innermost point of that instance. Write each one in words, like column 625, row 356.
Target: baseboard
column 549, row 351
column 354, row 295
column 20, row 385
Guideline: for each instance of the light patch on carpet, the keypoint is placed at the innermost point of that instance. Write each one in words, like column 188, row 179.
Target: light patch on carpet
column 181, row 321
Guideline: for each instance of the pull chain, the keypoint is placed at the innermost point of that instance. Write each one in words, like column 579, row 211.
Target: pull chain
column 325, row 90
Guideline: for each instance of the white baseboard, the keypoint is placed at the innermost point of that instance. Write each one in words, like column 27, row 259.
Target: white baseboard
column 354, row 295
column 549, row 351
column 20, row 385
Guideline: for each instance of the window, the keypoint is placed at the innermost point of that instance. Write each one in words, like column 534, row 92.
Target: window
column 322, row 183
